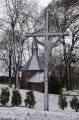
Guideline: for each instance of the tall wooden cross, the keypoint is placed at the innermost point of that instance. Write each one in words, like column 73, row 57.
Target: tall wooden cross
column 48, row 48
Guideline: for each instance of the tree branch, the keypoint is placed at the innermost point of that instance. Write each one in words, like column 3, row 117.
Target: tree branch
column 39, row 41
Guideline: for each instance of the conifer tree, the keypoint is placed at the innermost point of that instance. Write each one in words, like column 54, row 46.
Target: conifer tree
column 62, row 102
column 4, row 98
column 30, row 99
column 74, row 103
column 16, row 98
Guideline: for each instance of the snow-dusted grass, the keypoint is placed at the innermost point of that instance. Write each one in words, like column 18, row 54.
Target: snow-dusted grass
column 38, row 113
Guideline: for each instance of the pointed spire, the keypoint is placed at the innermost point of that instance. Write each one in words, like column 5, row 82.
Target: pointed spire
column 34, row 48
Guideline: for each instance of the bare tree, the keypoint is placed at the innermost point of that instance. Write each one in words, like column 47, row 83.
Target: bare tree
column 20, row 16
column 65, row 16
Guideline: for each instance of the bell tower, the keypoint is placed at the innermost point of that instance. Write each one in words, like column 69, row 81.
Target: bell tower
column 34, row 48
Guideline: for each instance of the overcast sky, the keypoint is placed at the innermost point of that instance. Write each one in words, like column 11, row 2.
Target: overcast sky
column 44, row 2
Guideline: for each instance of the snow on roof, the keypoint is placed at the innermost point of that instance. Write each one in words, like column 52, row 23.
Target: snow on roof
column 37, row 78
column 34, row 64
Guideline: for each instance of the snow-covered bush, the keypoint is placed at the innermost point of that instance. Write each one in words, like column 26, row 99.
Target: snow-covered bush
column 4, row 98
column 30, row 99
column 16, row 98
column 74, row 103
column 62, row 102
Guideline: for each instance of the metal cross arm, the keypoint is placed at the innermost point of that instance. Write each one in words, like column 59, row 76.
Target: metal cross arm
column 44, row 34
column 47, row 34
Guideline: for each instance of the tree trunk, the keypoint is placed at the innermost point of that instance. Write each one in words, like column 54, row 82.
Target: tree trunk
column 10, row 79
column 66, row 64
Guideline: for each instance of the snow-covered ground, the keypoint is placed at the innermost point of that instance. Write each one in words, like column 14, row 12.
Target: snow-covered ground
column 38, row 113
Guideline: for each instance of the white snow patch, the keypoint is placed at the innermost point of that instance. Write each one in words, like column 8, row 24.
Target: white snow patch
column 38, row 113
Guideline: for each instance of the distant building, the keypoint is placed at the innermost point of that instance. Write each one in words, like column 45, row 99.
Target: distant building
column 33, row 71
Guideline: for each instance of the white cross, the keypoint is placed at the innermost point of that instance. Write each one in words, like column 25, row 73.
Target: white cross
column 48, row 48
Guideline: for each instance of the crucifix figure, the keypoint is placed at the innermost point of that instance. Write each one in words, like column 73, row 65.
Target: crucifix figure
column 48, row 48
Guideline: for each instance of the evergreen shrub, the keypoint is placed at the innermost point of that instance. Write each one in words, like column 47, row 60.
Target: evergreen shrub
column 62, row 102
column 4, row 79
column 4, row 98
column 30, row 99
column 74, row 103
column 54, row 86
column 16, row 98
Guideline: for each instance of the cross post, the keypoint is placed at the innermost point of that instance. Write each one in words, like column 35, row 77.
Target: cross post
column 48, row 48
